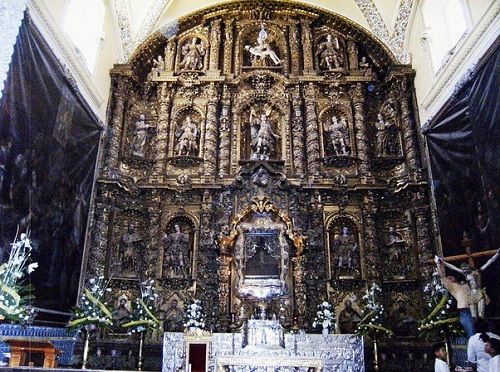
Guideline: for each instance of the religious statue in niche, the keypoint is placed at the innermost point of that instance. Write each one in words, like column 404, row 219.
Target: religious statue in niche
column 177, row 249
column 192, row 55
column 130, row 250
column 158, row 67
column 349, row 318
column 263, row 137
column 140, row 137
column 387, row 137
column 365, row 66
column 329, row 54
column 344, row 250
column 397, row 254
column 262, row 51
column 187, row 138
column 338, row 136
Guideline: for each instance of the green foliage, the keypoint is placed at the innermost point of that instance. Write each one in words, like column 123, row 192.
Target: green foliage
column 143, row 316
column 373, row 317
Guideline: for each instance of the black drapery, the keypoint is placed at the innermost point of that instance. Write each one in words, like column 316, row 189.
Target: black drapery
column 48, row 147
column 464, row 149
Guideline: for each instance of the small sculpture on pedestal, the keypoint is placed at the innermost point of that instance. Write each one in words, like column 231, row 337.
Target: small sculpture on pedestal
column 140, row 137
column 329, row 55
column 263, row 137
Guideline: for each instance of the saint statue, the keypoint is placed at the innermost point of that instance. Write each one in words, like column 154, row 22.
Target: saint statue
column 478, row 298
column 398, row 264
column 176, row 259
column 328, row 54
column 187, row 138
column 120, row 315
column 338, row 133
column 262, row 50
column 129, row 247
column 263, row 138
column 174, row 318
column 346, row 253
column 386, row 137
column 349, row 319
column 192, row 53
column 158, row 66
column 140, row 137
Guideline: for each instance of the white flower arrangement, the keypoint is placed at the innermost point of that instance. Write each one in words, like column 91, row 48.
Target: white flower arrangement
column 93, row 309
column 372, row 323
column 143, row 315
column 195, row 316
column 324, row 316
column 14, row 296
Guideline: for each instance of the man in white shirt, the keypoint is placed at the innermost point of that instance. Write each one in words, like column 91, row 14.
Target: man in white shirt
column 476, row 354
column 492, row 347
column 440, row 364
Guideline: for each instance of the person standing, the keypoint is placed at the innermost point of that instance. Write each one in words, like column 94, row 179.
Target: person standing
column 440, row 364
column 476, row 354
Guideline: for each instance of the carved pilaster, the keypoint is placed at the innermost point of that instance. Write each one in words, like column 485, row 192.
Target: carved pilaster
column 224, row 275
column 307, row 46
column 294, row 49
column 421, row 215
column 210, row 152
column 358, row 102
column 299, row 288
column 312, row 137
column 121, row 85
column 224, row 133
column 297, row 133
column 162, row 132
column 371, row 260
column 215, row 38
column 96, row 260
column 228, row 47
column 409, row 141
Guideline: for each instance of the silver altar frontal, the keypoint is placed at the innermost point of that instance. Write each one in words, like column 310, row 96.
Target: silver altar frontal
column 297, row 352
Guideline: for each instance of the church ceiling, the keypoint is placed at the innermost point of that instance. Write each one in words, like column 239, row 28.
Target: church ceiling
column 387, row 20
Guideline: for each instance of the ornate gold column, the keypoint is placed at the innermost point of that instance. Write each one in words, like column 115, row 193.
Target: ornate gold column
column 224, row 133
column 210, row 151
column 312, row 137
column 358, row 100
column 297, row 132
column 121, row 85
column 215, row 39
column 299, row 288
column 161, row 143
column 228, row 47
column 409, row 131
column 294, row 49
column 307, row 47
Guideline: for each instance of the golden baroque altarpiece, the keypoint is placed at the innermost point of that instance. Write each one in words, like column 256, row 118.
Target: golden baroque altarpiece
column 263, row 156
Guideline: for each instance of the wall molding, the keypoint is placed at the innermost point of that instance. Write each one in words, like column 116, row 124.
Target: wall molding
column 472, row 49
column 65, row 53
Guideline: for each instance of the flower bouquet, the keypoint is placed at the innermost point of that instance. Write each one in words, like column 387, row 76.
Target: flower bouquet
column 324, row 317
column 14, row 296
column 372, row 320
column 143, row 318
column 195, row 317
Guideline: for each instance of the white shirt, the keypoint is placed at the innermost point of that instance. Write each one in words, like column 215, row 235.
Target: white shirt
column 441, row 366
column 494, row 364
column 476, row 353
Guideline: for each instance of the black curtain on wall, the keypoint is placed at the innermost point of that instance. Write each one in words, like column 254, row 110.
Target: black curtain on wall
column 464, row 148
column 48, row 147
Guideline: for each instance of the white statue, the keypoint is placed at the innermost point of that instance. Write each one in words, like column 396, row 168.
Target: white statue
column 263, row 136
column 192, row 55
column 140, row 137
column 187, row 139
column 262, row 50
column 339, row 135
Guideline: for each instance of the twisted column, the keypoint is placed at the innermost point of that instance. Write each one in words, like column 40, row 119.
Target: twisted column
column 312, row 137
column 358, row 100
column 121, row 85
column 161, row 145
column 210, row 153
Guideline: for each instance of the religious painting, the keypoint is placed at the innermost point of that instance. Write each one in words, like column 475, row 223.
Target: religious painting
column 262, row 253
column 172, row 314
column 344, row 251
column 349, row 316
column 122, row 310
column 178, row 242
